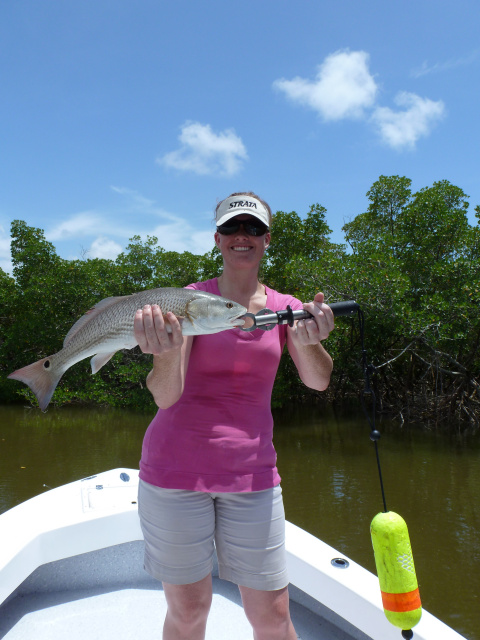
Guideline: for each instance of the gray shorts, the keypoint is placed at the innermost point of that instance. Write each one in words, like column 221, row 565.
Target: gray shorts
column 182, row 529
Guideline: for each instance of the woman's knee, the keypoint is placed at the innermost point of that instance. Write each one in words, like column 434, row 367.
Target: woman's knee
column 268, row 612
column 189, row 604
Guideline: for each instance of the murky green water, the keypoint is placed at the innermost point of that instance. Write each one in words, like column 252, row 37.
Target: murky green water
column 329, row 478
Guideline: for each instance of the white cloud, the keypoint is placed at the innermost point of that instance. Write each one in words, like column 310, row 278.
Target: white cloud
column 5, row 258
column 426, row 68
column 403, row 128
column 343, row 87
column 205, row 152
column 138, row 205
column 105, row 234
column 201, row 242
column 92, row 223
column 181, row 237
column 105, row 248
column 136, row 198
column 108, row 233
column 80, row 224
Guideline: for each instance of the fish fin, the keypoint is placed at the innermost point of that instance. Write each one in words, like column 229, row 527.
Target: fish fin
column 94, row 311
column 41, row 377
column 99, row 360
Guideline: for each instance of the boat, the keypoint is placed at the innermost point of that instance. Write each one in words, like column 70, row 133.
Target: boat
column 71, row 566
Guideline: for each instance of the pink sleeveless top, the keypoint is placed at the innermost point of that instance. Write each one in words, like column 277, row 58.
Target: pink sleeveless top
column 218, row 436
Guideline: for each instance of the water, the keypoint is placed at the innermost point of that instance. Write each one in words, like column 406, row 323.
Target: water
column 329, row 478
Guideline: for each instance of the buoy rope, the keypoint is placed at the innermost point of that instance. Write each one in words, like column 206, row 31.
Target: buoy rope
column 368, row 370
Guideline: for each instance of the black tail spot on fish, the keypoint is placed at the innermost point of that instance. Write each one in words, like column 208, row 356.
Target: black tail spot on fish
column 46, row 364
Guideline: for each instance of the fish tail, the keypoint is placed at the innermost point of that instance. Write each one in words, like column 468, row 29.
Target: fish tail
column 42, row 378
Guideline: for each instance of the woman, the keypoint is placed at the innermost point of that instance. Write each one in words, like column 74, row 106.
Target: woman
column 208, row 469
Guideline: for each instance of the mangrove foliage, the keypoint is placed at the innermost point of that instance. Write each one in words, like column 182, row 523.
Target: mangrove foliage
column 411, row 261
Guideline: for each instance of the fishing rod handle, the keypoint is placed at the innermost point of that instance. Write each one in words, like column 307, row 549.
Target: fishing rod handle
column 267, row 319
column 342, row 308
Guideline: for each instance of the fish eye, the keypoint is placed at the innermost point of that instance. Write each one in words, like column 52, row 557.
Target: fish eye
column 229, row 305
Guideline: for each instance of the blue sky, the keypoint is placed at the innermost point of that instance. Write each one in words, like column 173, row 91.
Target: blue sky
column 120, row 118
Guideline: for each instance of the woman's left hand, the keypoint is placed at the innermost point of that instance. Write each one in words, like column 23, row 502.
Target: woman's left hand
column 317, row 328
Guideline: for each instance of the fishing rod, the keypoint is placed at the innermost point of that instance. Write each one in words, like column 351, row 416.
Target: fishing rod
column 388, row 530
column 267, row 319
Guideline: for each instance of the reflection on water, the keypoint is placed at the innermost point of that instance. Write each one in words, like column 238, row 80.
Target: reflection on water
column 63, row 445
column 329, row 478
column 332, row 489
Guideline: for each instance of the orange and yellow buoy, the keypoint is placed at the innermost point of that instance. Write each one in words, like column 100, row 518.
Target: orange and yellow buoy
column 396, row 570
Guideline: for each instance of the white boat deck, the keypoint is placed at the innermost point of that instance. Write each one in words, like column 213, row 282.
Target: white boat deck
column 106, row 595
column 71, row 567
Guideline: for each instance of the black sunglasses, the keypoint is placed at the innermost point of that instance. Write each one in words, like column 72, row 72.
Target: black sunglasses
column 251, row 227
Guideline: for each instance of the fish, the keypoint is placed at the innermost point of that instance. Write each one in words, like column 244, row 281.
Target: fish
column 108, row 327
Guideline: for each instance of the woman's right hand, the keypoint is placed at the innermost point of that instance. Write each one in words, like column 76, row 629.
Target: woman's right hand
column 150, row 328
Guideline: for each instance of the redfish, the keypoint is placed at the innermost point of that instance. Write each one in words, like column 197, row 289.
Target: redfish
column 108, row 327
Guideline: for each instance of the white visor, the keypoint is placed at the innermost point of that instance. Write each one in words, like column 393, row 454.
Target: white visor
column 236, row 205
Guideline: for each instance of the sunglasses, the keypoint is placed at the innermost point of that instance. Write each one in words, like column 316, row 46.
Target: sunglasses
column 251, row 227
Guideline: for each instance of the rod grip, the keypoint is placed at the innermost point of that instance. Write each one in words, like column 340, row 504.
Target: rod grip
column 344, row 308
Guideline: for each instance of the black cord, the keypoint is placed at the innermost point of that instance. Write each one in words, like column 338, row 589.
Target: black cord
column 368, row 370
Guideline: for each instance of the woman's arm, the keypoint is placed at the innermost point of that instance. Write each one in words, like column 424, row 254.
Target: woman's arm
column 170, row 351
column 313, row 363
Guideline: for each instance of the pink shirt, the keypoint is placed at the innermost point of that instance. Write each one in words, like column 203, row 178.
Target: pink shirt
column 218, row 436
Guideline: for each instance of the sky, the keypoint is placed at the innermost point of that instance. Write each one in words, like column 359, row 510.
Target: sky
column 122, row 118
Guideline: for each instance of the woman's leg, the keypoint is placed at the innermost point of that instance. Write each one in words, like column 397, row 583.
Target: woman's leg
column 178, row 527
column 269, row 613
column 250, row 540
column 188, row 607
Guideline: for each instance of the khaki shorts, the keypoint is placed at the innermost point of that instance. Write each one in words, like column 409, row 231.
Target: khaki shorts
column 182, row 529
